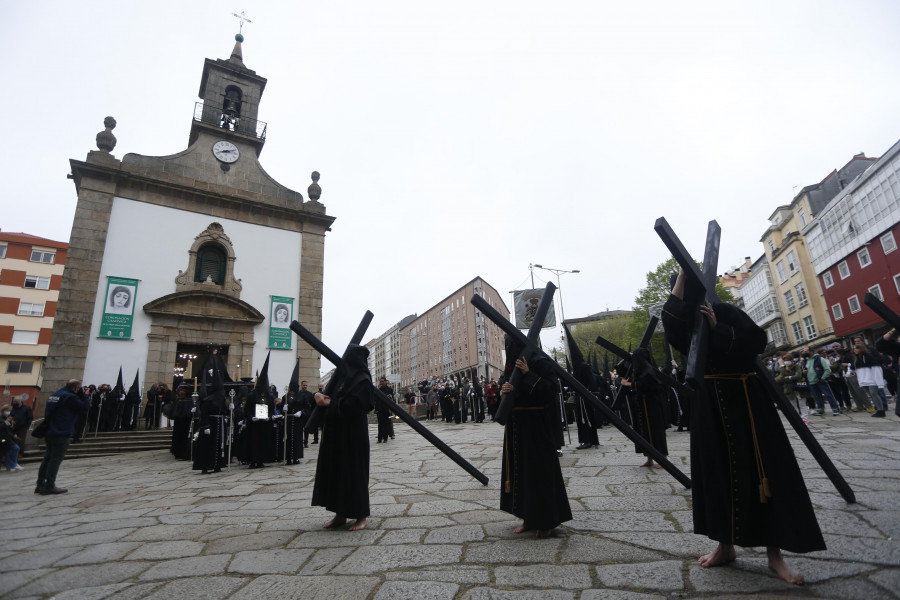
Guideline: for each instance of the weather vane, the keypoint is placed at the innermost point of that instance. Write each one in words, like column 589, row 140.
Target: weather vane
column 243, row 18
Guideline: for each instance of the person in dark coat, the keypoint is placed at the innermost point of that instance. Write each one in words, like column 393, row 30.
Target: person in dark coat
column 210, row 446
column 531, row 484
column 260, row 446
column 181, row 425
column 383, row 415
column 342, row 471
column 61, row 413
column 747, row 486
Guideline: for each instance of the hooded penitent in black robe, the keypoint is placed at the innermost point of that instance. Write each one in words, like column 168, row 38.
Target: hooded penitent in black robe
column 647, row 402
column 584, row 412
column 531, row 484
column 383, row 416
column 210, row 448
column 342, row 471
column 747, row 487
column 293, row 427
column 181, row 428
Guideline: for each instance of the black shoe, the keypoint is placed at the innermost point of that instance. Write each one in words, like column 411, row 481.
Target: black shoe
column 878, row 413
column 55, row 490
column 583, row 447
column 315, row 441
column 306, row 445
column 40, row 490
column 252, row 466
column 204, row 472
column 217, row 470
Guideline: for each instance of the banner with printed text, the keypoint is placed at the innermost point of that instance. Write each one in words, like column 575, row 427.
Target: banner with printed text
column 281, row 313
column 525, row 305
column 118, row 308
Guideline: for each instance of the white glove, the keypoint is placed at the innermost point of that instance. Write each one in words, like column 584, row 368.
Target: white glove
column 206, row 432
column 239, row 423
column 193, row 410
column 255, row 419
column 298, row 414
column 277, row 417
column 231, row 407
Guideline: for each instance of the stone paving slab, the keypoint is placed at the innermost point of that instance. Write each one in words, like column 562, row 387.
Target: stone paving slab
column 128, row 532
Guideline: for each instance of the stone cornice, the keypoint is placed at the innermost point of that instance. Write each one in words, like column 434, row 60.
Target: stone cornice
column 130, row 180
column 182, row 304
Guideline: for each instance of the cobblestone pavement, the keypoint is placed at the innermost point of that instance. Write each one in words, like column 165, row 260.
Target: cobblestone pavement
column 145, row 526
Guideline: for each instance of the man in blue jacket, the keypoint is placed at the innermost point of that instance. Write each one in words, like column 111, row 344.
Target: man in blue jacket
column 62, row 411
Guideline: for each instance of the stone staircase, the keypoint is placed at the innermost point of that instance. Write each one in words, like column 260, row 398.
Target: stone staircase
column 108, row 444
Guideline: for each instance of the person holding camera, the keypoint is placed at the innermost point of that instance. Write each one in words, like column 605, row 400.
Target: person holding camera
column 62, row 411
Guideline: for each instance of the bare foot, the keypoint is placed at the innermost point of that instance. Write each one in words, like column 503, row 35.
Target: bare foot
column 543, row 533
column 521, row 528
column 359, row 524
column 648, row 463
column 657, row 466
column 777, row 564
column 722, row 555
column 335, row 522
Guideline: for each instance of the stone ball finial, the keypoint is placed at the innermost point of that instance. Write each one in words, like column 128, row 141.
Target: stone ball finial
column 314, row 191
column 106, row 141
column 238, row 37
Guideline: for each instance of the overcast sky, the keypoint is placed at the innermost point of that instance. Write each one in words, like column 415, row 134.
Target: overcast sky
column 472, row 138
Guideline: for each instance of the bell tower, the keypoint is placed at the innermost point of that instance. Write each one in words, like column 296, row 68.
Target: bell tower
column 230, row 94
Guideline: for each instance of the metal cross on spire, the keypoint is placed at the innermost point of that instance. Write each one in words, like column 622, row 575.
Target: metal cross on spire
column 243, row 18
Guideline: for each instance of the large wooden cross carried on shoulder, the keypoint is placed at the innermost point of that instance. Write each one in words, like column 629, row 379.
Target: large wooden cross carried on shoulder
column 696, row 365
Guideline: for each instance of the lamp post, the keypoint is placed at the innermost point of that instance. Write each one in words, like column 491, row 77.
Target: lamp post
column 558, row 272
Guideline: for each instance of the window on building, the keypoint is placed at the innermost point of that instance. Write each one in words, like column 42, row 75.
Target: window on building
column 31, row 309
column 779, row 335
column 211, row 261
column 864, row 259
column 801, row 214
column 25, row 337
column 853, row 302
column 828, row 279
column 837, row 311
column 798, row 332
column 843, row 269
column 38, row 283
column 897, row 283
column 782, row 272
column 3, row 251
column 793, row 267
column 771, row 245
column 43, row 256
column 801, row 295
column 875, row 290
column 789, row 301
column 887, row 243
column 810, row 327
column 19, row 366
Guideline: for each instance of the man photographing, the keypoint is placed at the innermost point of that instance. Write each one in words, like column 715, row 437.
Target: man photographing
column 62, row 412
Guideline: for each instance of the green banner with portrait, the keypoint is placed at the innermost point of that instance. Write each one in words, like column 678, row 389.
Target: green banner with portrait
column 118, row 308
column 281, row 313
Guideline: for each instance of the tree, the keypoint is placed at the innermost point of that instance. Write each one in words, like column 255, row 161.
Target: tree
column 654, row 294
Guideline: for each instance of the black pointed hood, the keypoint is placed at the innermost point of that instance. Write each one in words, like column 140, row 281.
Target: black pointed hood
column 134, row 392
column 262, row 380
column 294, row 385
column 120, row 385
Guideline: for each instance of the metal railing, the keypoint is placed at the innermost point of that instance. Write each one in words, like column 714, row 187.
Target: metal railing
column 217, row 117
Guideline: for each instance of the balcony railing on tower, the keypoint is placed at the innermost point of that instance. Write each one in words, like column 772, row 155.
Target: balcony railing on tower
column 216, row 116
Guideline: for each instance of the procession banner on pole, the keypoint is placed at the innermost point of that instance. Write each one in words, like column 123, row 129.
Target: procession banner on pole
column 281, row 313
column 118, row 308
column 525, row 304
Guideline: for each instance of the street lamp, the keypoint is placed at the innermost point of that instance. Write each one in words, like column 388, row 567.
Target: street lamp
column 558, row 272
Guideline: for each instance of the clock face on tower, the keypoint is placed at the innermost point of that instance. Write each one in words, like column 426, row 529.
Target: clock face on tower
column 225, row 151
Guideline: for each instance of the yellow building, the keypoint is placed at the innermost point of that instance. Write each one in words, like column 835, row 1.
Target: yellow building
column 797, row 290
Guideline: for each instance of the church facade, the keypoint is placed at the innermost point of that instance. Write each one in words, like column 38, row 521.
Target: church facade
column 172, row 255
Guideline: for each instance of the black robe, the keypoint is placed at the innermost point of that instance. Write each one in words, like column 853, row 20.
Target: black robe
column 181, row 429
column 584, row 412
column 342, row 470
column 383, row 415
column 531, row 484
column 747, row 486
column 259, row 442
column 647, row 403
column 293, row 427
column 210, row 448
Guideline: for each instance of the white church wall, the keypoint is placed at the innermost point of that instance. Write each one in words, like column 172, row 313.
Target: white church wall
column 151, row 243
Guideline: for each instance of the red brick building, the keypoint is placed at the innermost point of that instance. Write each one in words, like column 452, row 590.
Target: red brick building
column 30, row 275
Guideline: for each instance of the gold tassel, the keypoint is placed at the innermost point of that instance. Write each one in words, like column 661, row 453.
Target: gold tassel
column 765, row 483
column 508, row 486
